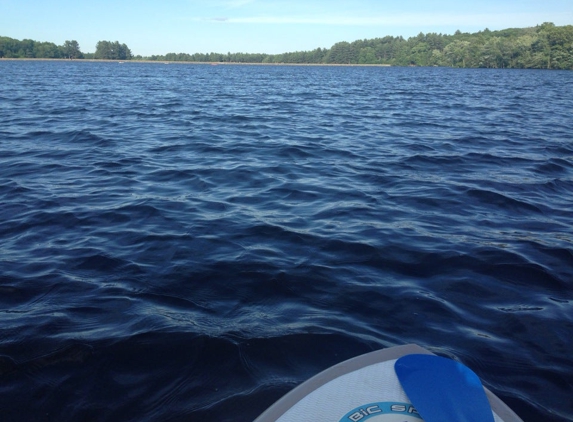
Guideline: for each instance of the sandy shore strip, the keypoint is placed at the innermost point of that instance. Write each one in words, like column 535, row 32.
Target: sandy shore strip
column 187, row 62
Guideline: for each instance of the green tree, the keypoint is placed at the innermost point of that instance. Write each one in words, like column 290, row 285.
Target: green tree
column 457, row 53
column 8, row 46
column 107, row 50
column 522, row 51
column 71, row 50
column 419, row 54
column 47, row 50
column 435, row 41
column 367, row 55
column 541, row 51
column 342, row 53
column 27, row 49
column 437, row 58
column 103, row 50
column 490, row 53
column 560, row 41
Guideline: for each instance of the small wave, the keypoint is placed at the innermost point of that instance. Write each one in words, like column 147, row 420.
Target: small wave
column 196, row 240
column 502, row 201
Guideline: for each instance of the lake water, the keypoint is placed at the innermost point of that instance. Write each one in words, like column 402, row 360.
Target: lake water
column 190, row 242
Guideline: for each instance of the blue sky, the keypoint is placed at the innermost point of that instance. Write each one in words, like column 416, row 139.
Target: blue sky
column 260, row 26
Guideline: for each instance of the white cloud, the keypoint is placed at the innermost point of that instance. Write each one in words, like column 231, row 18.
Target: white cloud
column 405, row 19
column 238, row 3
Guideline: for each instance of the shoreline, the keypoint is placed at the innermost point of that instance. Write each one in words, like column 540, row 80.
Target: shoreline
column 167, row 62
column 187, row 63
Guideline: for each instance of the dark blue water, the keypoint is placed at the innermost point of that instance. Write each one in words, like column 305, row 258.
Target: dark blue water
column 189, row 242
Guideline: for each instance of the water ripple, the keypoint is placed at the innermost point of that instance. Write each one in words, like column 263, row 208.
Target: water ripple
column 197, row 240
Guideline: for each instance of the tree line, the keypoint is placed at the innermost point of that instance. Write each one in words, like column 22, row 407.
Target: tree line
column 30, row 49
column 544, row 46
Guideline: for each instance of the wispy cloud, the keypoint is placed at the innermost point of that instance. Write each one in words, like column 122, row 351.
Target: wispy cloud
column 405, row 19
column 238, row 3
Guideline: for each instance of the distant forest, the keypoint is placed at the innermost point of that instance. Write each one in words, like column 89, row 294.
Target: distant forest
column 30, row 49
column 544, row 46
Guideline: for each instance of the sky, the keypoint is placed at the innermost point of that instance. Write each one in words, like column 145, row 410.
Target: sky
column 260, row 26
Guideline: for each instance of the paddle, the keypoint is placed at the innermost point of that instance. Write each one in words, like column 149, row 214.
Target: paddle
column 443, row 390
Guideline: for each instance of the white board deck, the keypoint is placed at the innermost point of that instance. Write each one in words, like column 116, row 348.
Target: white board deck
column 364, row 388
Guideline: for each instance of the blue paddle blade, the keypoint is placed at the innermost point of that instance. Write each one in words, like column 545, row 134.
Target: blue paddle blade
column 443, row 390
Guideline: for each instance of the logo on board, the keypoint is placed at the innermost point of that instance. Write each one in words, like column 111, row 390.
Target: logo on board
column 383, row 412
